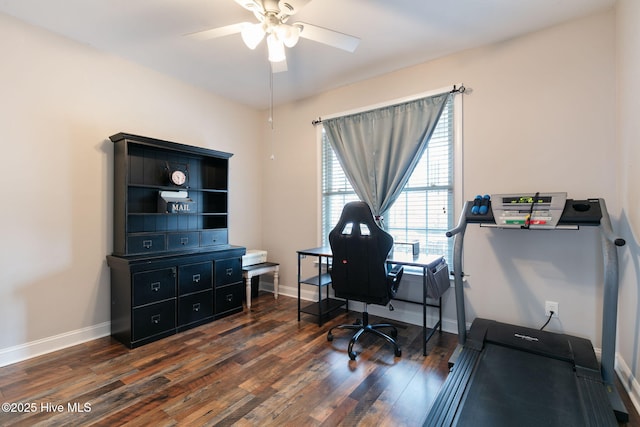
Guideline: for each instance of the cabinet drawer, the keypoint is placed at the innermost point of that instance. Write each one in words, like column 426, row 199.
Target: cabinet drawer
column 194, row 307
column 229, row 298
column 195, row 277
column 153, row 286
column 228, row 271
column 179, row 241
column 154, row 319
column 145, row 244
column 219, row 236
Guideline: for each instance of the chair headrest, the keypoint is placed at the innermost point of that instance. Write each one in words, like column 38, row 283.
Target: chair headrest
column 360, row 249
column 356, row 213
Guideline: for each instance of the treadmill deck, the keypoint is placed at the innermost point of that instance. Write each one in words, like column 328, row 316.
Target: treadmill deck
column 512, row 375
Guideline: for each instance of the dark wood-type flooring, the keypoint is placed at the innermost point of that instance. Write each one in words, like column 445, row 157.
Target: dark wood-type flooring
column 259, row 368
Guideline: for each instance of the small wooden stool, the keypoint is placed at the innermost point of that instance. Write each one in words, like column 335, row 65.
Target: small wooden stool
column 257, row 269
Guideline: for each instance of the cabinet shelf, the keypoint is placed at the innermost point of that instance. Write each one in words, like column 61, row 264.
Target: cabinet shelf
column 178, row 214
column 165, row 213
column 165, row 266
column 174, row 188
column 142, row 167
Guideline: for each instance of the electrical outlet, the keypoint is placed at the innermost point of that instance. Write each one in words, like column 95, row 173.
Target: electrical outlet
column 550, row 306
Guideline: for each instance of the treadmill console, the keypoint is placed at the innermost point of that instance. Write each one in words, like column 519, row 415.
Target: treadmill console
column 539, row 210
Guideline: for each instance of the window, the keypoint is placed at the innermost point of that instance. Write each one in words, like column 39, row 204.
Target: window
column 424, row 209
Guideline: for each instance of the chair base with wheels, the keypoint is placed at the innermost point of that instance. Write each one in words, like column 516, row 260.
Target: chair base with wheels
column 365, row 327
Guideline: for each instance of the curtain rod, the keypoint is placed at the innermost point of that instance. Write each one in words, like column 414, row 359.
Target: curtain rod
column 455, row 89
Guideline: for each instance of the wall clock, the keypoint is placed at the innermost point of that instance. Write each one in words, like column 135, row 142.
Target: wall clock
column 178, row 177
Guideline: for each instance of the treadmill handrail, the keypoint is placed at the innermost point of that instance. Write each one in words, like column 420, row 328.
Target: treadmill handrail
column 610, row 295
column 458, row 274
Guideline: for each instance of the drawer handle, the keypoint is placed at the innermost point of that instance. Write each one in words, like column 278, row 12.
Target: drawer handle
column 155, row 319
column 196, row 278
column 147, row 244
column 184, row 240
column 229, row 297
column 229, row 271
column 196, row 307
column 155, row 286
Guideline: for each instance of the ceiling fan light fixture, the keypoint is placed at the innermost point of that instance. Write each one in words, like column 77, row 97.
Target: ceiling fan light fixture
column 252, row 35
column 289, row 34
column 272, row 16
column 276, row 48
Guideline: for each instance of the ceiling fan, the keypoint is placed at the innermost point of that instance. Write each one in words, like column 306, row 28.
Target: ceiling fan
column 273, row 16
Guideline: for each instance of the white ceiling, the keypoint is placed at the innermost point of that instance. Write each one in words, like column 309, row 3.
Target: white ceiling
column 394, row 34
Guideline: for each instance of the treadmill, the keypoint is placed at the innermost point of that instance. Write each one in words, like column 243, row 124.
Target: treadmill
column 508, row 375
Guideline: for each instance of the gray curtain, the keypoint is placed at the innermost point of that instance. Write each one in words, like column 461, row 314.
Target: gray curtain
column 378, row 149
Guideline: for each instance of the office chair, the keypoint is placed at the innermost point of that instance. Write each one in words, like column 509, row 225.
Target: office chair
column 359, row 271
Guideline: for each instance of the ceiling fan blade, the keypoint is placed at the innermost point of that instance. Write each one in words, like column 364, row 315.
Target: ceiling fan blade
column 218, row 32
column 278, row 67
column 328, row 37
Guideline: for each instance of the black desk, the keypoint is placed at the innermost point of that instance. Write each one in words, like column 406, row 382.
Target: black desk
column 325, row 306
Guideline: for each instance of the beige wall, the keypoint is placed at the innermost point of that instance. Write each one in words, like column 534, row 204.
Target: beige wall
column 539, row 115
column 628, row 128
column 556, row 110
column 60, row 102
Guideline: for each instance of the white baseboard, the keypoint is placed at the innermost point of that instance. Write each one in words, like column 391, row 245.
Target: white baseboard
column 306, row 294
column 42, row 346
column 629, row 382
column 403, row 312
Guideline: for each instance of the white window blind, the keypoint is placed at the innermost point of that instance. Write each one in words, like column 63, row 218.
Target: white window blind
column 423, row 211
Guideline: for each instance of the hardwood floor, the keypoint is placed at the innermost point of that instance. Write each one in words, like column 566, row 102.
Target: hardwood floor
column 260, row 368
